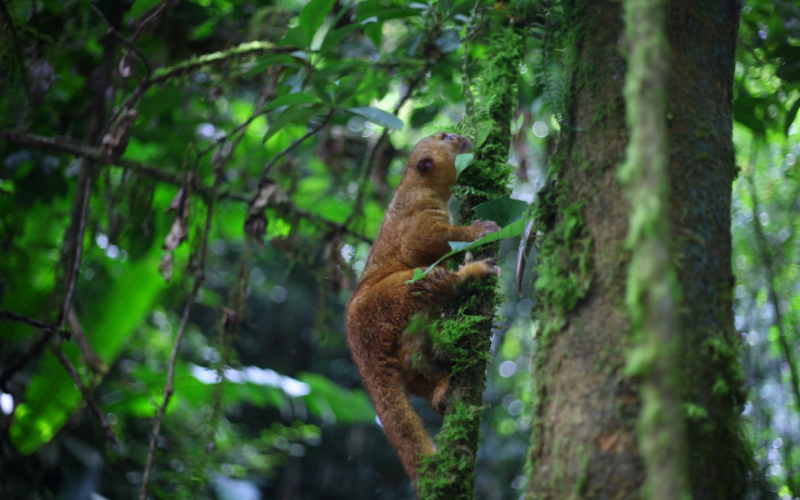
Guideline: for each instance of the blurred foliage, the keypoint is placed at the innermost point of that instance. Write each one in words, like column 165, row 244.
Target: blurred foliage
column 223, row 87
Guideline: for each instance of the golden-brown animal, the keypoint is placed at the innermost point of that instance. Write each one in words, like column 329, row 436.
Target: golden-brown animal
column 415, row 233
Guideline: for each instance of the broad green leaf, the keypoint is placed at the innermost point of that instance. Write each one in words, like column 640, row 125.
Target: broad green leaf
column 378, row 117
column 510, row 231
column 503, row 211
column 295, row 99
column 266, row 62
column 332, row 402
column 484, row 129
column 295, row 37
column 289, row 116
column 424, row 115
column 335, row 37
column 462, row 162
column 312, row 16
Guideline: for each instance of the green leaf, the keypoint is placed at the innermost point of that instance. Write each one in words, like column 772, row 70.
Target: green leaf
column 503, row 211
column 510, row 231
column 484, row 129
column 334, row 403
column 312, row 16
column 376, row 8
column 295, row 99
column 139, row 7
column 295, row 37
column 379, row 117
column 335, row 37
column 266, row 62
column 424, row 115
column 791, row 115
column 290, row 115
column 462, row 162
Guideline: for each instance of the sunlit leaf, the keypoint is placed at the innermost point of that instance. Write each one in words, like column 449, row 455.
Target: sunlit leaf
column 379, row 117
column 312, row 16
column 462, row 162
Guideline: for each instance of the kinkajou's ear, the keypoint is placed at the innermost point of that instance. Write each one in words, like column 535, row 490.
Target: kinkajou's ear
column 424, row 165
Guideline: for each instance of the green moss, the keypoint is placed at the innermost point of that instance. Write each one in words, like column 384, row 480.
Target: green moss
column 583, row 477
column 441, row 473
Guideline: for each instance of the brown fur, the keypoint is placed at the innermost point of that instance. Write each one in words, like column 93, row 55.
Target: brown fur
column 414, row 234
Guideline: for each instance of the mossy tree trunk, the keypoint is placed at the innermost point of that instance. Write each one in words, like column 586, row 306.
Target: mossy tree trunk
column 450, row 473
column 584, row 442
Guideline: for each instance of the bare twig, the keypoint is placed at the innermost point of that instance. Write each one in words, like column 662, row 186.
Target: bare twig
column 189, row 66
column 34, row 349
column 33, row 322
column 240, row 129
column 199, row 278
column 71, row 146
column 295, row 144
column 168, row 391
column 73, row 261
column 91, row 359
column 147, row 20
column 131, row 44
column 767, row 257
column 366, row 167
column 87, row 396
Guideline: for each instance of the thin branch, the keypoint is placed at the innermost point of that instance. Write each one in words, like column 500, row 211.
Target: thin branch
column 767, row 257
column 295, row 144
column 168, row 391
column 73, row 261
column 87, row 396
column 71, row 146
column 131, row 44
column 240, row 129
column 30, row 321
column 34, row 349
column 169, row 388
column 190, row 65
column 152, row 17
column 92, row 360
column 366, row 167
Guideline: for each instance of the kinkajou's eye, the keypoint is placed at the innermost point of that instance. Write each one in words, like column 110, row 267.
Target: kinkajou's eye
column 449, row 137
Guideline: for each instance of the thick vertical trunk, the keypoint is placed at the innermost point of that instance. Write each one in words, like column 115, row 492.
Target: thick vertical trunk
column 702, row 38
column 584, row 429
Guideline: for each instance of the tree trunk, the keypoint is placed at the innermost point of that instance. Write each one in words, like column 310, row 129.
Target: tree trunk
column 584, row 442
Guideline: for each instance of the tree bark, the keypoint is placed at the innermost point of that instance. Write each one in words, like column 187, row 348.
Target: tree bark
column 584, row 442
